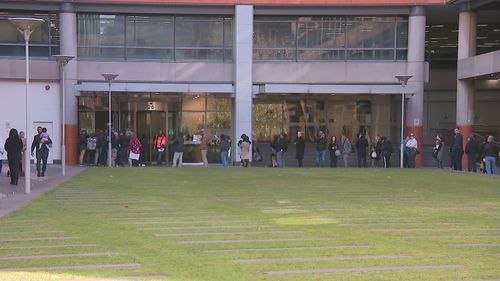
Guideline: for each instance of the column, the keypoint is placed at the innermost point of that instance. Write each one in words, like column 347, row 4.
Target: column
column 416, row 68
column 467, row 26
column 68, row 35
column 243, row 57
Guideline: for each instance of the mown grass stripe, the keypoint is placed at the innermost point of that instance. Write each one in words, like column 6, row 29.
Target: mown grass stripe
column 364, row 269
column 433, row 229
column 337, row 258
column 48, row 247
column 305, row 248
column 32, row 232
column 474, row 245
column 399, row 223
column 182, row 222
column 120, row 278
column 204, row 227
column 55, row 256
column 226, row 233
column 65, row 267
column 455, row 237
column 251, row 241
column 38, row 239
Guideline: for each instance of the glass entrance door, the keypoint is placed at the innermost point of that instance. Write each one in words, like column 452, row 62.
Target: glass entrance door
column 149, row 123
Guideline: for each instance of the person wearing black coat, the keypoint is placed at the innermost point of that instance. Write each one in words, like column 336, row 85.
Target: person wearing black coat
column 300, row 146
column 457, row 150
column 361, row 147
column 385, row 151
column 472, row 150
column 14, row 148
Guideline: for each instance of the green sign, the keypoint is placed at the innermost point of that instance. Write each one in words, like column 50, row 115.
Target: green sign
column 170, row 132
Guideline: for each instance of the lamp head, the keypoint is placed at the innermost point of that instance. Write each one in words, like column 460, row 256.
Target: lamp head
column 109, row 76
column 403, row 79
column 26, row 25
column 63, row 59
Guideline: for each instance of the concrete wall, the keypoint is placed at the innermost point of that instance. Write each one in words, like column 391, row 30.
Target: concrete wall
column 44, row 108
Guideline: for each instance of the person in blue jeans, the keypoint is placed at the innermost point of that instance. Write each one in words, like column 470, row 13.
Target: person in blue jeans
column 490, row 151
column 321, row 144
column 225, row 145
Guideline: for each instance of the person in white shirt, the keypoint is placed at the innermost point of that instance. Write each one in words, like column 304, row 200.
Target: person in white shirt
column 412, row 146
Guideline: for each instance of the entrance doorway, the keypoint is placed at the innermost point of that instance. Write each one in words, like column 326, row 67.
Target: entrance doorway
column 149, row 123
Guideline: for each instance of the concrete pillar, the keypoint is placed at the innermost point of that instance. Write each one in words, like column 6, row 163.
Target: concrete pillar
column 68, row 35
column 243, row 57
column 416, row 68
column 467, row 27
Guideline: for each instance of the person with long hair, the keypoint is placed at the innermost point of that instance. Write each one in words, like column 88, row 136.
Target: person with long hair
column 335, row 152
column 14, row 147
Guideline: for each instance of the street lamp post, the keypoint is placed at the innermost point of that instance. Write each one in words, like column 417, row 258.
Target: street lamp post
column 62, row 60
column 403, row 79
column 26, row 26
column 109, row 77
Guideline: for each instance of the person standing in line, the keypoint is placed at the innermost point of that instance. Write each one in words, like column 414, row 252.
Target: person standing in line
column 300, row 146
column 321, row 144
column 346, row 149
column 2, row 153
column 438, row 151
column 282, row 148
column 244, row 145
column 35, row 146
column 406, row 163
column 14, row 147
column 22, row 167
column 375, row 154
column 178, row 150
column 134, row 147
column 274, row 150
column 114, row 148
column 361, row 148
column 385, row 151
column 412, row 146
column 472, row 150
column 335, row 152
column 82, row 146
column 457, row 150
column 491, row 152
column 205, row 142
column 99, row 144
column 225, row 146
column 160, row 146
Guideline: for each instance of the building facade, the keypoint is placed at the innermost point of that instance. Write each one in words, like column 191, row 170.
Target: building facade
column 255, row 67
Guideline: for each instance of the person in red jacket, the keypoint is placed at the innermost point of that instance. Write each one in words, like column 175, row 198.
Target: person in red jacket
column 160, row 146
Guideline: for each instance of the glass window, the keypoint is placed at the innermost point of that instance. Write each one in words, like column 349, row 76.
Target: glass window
column 321, row 33
column 150, row 37
column 370, row 54
column 275, row 40
column 370, row 34
column 402, row 35
column 43, row 42
column 199, row 38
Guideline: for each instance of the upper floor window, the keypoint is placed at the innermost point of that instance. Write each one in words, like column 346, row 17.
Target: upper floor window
column 155, row 37
column 44, row 41
column 330, row 38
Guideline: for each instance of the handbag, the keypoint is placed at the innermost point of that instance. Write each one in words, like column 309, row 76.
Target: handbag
column 337, row 152
column 373, row 155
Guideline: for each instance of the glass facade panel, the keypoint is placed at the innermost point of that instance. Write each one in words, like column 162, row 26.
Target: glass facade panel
column 370, row 55
column 321, row 33
column 330, row 38
column 43, row 42
column 155, row 37
column 370, row 34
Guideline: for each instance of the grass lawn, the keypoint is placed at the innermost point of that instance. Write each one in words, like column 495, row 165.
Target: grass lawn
column 197, row 224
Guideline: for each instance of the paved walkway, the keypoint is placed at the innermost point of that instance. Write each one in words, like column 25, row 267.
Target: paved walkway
column 13, row 197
